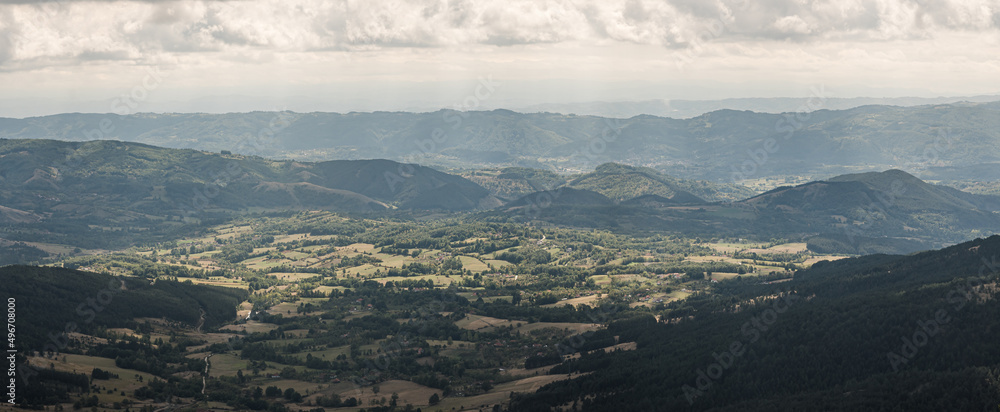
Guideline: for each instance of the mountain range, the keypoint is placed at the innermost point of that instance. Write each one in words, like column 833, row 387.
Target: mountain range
column 685, row 109
column 727, row 145
column 108, row 193
column 616, row 181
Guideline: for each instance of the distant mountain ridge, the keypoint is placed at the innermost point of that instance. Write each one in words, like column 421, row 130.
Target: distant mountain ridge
column 724, row 145
column 686, row 109
column 618, row 182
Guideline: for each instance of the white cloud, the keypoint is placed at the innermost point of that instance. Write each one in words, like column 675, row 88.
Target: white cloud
column 78, row 44
column 792, row 25
column 57, row 30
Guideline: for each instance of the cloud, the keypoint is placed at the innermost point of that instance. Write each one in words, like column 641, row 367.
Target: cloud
column 271, row 45
column 792, row 25
column 97, row 55
column 7, row 33
column 142, row 30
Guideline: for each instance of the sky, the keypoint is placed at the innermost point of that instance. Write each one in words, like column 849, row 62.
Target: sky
column 364, row 55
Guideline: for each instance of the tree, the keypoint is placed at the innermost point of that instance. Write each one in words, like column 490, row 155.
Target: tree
column 272, row 392
column 453, row 263
column 434, row 399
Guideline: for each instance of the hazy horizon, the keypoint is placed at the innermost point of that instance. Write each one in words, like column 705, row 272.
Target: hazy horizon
column 675, row 108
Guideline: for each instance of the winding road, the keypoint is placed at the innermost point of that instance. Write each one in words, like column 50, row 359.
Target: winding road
column 204, row 383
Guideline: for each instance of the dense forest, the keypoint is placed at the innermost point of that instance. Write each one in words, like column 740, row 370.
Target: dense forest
column 64, row 300
column 874, row 333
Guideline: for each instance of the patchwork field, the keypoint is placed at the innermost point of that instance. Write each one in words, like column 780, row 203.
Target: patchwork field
column 359, row 331
column 589, row 300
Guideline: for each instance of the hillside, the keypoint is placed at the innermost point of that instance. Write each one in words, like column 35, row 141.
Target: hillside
column 511, row 183
column 615, row 181
column 565, row 196
column 623, row 182
column 891, row 204
column 51, row 189
column 872, row 333
column 656, row 201
column 913, row 192
column 47, row 298
column 62, row 312
column 714, row 146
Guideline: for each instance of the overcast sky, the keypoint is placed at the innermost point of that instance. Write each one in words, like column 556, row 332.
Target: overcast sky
column 369, row 54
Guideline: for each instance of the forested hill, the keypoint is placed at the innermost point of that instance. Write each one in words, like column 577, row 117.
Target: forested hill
column 623, row 182
column 49, row 299
column 889, row 204
column 616, row 181
column 161, row 179
column 52, row 189
column 878, row 212
column 725, row 145
column 880, row 332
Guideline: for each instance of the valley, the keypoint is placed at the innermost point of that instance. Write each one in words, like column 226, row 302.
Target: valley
column 235, row 282
column 360, row 313
column 500, row 205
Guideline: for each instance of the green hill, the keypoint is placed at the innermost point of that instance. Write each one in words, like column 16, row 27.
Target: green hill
column 53, row 306
column 47, row 299
column 623, row 182
column 83, row 193
column 890, row 204
column 564, row 196
column 654, row 201
column 616, row 181
column 513, row 182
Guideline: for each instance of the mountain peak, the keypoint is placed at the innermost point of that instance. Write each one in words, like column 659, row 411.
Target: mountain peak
column 873, row 177
column 623, row 182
